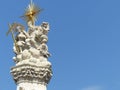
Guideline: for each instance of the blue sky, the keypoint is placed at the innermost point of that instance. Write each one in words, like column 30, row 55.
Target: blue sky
column 84, row 41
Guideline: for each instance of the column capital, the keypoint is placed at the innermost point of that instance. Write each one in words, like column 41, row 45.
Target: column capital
column 31, row 73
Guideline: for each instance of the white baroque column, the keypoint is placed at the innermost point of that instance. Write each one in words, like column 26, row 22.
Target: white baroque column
column 32, row 70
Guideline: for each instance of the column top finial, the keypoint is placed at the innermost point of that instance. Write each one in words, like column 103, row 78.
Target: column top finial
column 31, row 13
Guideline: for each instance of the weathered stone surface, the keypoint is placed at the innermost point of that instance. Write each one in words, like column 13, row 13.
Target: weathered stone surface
column 31, row 73
column 32, row 70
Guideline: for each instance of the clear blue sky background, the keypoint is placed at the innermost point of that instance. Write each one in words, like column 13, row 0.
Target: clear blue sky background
column 84, row 41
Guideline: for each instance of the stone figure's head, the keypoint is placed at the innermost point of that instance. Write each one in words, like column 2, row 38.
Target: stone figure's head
column 20, row 29
column 45, row 25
